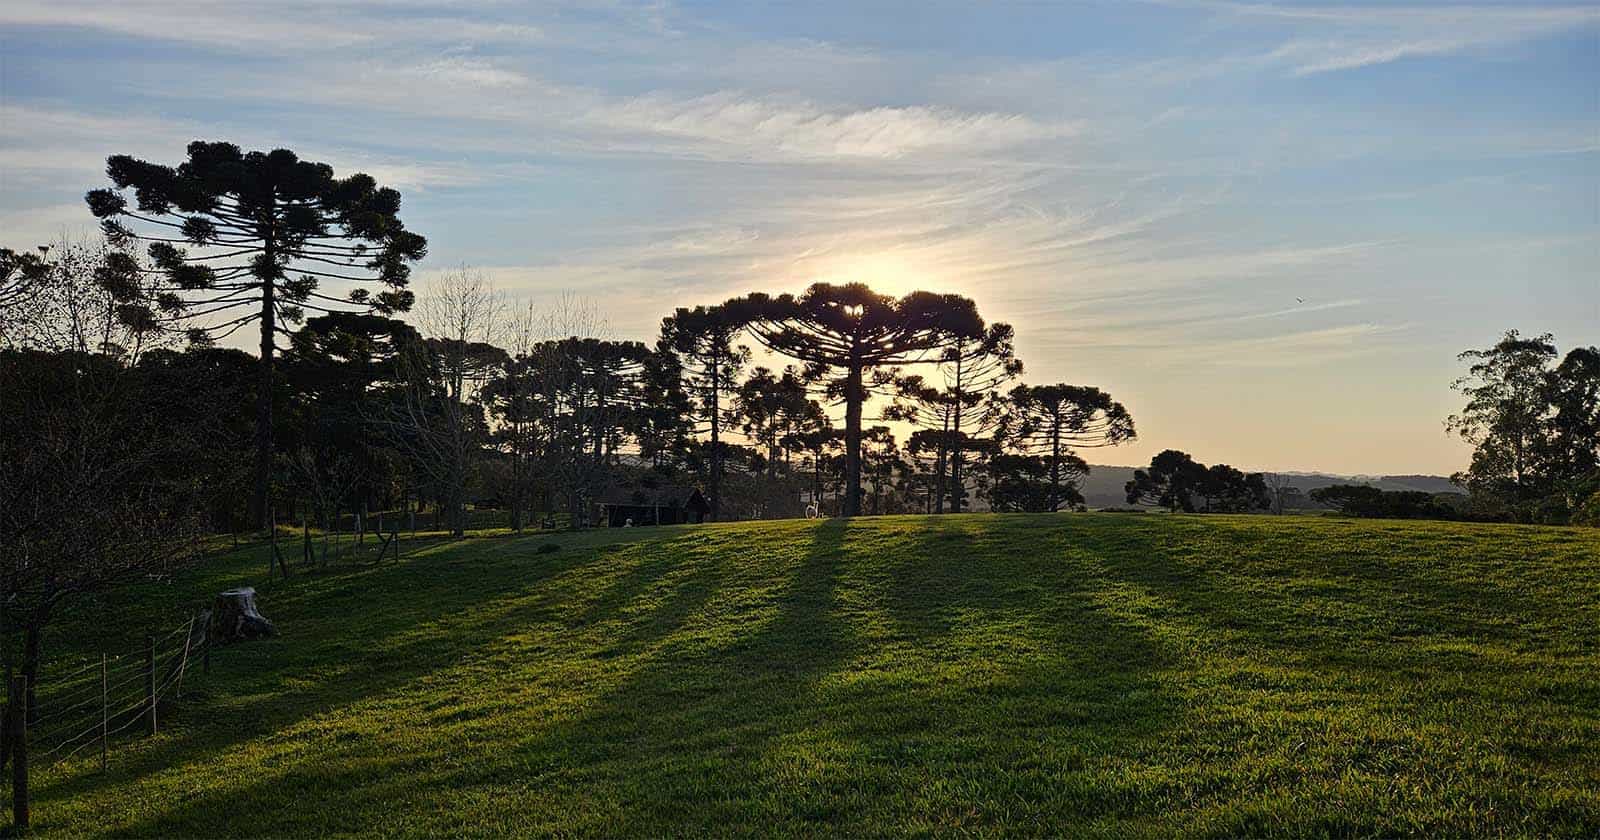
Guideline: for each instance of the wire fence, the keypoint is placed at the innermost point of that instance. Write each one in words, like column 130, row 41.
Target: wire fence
column 77, row 705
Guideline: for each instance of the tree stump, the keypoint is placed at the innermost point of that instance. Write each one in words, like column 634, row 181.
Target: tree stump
column 234, row 618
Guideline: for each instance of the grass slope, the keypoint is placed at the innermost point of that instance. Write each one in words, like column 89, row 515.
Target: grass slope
column 1085, row 674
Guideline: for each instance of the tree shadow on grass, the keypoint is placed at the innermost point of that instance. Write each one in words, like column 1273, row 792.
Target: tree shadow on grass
column 655, row 714
column 801, row 721
column 1269, row 585
column 348, row 634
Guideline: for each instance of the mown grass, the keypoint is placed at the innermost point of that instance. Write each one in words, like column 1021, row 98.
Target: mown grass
column 1086, row 675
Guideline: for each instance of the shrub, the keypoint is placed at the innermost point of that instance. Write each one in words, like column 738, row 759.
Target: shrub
column 1588, row 513
column 1370, row 502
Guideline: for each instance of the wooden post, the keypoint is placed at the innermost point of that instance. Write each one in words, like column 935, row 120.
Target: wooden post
column 105, row 711
column 272, row 540
column 183, row 664
column 150, row 683
column 5, row 728
column 17, row 726
column 283, row 566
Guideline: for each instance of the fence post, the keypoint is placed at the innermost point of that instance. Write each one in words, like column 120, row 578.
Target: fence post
column 17, row 726
column 150, row 682
column 5, row 726
column 183, row 664
column 105, row 711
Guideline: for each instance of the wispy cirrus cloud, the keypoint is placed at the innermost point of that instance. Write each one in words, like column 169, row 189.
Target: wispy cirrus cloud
column 763, row 126
column 1352, row 37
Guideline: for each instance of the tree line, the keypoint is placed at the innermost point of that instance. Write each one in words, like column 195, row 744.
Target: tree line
column 131, row 426
column 127, row 428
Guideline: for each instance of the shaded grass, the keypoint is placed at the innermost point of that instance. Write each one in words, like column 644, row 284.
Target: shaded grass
column 1085, row 675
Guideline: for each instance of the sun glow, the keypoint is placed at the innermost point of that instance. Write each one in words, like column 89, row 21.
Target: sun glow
column 888, row 273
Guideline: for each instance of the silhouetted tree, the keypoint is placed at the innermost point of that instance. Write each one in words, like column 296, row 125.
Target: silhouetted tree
column 1504, row 419
column 20, row 274
column 974, row 370
column 662, row 425
column 1228, row 490
column 269, row 228
column 841, row 333
column 1051, row 421
column 704, row 338
column 1172, row 481
column 1571, row 450
column 1028, row 483
column 1534, row 426
column 60, row 300
column 345, row 372
column 770, row 406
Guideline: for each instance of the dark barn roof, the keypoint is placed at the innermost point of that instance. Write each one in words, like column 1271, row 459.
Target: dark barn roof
column 668, row 496
column 668, row 505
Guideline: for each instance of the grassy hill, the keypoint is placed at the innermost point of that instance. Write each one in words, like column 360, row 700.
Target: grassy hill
column 1113, row 675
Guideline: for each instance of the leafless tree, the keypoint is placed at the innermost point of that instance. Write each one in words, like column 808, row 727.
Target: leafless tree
column 86, row 500
column 62, row 298
column 437, row 419
column 1282, row 488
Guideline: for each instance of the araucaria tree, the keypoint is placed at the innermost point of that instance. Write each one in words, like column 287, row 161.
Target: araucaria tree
column 956, row 405
column 1051, row 421
column 241, row 237
column 841, row 333
column 705, row 340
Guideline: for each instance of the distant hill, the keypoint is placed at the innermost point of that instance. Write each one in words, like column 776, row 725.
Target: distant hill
column 1103, row 487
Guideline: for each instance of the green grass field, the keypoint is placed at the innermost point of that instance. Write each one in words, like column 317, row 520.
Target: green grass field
column 1088, row 675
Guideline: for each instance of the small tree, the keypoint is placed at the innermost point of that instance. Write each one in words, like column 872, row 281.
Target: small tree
column 1228, row 490
column 59, row 299
column 1026, row 483
column 1172, row 481
column 21, row 274
column 263, row 230
column 1052, row 421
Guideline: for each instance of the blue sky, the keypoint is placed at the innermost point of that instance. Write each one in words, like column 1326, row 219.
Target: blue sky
column 1143, row 189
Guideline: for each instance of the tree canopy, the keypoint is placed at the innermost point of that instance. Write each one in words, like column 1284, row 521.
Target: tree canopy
column 240, row 237
column 840, row 333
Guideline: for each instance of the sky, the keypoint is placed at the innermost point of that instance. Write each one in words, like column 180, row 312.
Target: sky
column 1266, row 228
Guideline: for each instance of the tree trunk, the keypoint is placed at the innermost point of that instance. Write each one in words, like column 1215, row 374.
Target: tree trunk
column 955, row 453
column 852, row 440
column 1055, row 462
column 716, row 439
column 30, row 670
column 263, row 464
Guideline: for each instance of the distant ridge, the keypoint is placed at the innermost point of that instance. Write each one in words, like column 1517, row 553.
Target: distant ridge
column 1103, row 486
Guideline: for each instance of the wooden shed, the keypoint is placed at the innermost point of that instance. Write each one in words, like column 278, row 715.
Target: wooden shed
column 666, row 505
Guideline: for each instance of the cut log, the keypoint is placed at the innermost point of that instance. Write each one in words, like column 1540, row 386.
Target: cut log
column 234, row 618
